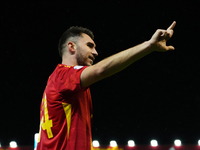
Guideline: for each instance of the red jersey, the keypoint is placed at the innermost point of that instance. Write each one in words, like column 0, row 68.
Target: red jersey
column 66, row 112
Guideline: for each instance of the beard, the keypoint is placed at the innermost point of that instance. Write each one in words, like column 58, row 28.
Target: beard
column 81, row 59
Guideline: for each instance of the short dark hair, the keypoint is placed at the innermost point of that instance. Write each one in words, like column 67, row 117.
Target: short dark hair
column 73, row 31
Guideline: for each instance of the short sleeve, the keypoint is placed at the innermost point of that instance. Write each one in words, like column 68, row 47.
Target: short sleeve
column 68, row 78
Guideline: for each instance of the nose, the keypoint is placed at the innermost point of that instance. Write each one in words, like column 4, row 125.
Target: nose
column 94, row 52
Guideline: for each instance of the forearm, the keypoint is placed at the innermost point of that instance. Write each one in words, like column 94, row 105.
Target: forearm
column 114, row 64
column 121, row 60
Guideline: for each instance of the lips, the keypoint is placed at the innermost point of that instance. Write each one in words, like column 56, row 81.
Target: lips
column 92, row 58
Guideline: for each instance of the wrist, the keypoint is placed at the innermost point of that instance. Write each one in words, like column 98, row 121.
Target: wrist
column 150, row 46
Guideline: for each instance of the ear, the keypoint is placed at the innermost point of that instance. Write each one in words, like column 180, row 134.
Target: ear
column 71, row 46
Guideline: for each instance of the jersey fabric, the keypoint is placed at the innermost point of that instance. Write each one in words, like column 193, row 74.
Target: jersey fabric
column 66, row 112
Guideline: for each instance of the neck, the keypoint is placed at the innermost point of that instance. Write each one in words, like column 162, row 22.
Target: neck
column 69, row 61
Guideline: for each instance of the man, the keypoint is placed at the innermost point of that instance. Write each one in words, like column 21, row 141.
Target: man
column 66, row 108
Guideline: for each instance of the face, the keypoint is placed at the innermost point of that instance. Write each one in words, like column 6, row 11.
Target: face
column 85, row 51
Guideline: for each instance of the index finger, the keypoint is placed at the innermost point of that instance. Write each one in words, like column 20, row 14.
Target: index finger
column 171, row 27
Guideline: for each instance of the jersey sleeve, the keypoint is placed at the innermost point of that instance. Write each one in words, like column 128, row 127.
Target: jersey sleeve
column 68, row 79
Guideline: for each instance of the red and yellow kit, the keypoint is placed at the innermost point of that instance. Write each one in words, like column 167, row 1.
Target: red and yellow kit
column 66, row 112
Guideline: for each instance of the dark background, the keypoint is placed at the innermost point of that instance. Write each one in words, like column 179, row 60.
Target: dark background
column 157, row 97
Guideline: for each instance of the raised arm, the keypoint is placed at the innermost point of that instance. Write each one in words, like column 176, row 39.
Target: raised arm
column 123, row 59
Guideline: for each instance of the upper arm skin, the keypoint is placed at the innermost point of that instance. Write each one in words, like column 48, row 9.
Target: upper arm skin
column 89, row 76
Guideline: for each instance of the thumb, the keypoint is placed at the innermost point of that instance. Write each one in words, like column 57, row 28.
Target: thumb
column 170, row 48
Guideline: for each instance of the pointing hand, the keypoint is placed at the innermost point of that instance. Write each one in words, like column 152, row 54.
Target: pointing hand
column 160, row 37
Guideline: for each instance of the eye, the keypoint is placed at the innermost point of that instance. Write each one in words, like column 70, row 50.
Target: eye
column 90, row 45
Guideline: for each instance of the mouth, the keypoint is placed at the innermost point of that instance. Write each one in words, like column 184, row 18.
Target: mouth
column 92, row 58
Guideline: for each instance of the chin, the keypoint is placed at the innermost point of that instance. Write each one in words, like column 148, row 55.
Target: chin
column 89, row 64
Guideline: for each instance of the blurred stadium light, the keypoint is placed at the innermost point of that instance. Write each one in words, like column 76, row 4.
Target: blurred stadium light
column 95, row 143
column 131, row 143
column 13, row 144
column 35, row 140
column 177, row 143
column 154, row 143
column 113, row 143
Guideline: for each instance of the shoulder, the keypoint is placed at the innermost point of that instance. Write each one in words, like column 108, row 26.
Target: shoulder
column 63, row 69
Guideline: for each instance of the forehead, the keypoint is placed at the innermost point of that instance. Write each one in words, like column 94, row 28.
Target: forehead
column 86, row 39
